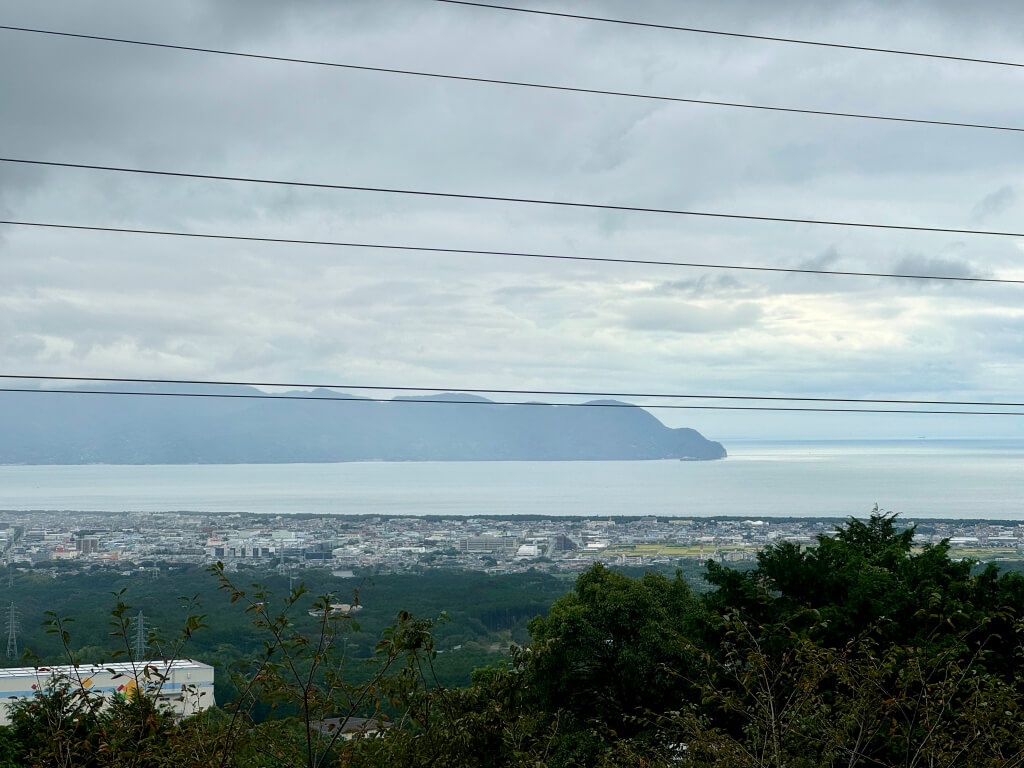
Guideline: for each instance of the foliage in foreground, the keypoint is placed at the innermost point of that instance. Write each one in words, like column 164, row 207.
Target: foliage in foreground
column 859, row 651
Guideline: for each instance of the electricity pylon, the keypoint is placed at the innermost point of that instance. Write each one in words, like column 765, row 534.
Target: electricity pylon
column 12, row 632
column 141, row 637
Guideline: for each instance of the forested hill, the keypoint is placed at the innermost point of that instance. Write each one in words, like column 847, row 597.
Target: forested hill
column 861, row 651
column 99, row 428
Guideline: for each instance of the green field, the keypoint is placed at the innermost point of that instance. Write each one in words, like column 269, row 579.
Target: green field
column 987, row 553
column 675, row 550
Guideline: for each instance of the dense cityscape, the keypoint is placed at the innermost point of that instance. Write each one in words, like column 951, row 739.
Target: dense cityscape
column 72, row 540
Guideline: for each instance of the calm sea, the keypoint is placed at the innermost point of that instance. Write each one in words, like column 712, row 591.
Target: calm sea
column 923, row 478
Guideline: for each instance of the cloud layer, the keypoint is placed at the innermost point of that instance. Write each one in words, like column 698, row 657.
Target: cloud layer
column 124, row 305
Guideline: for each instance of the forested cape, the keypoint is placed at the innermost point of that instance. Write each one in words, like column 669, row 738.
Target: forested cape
column 859, row 651
column 239, row 425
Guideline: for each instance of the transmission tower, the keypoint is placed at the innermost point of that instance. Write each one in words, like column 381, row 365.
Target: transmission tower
column 12, row 632
column 141, row 637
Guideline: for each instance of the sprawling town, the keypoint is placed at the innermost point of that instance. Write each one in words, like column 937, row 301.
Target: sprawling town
column 40, row 539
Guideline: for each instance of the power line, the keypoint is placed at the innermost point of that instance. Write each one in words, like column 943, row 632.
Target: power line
column 518, row 254
column 746, row 36
column 523, row 83
column 477, row 391
column 502, row 199
column 495, row 402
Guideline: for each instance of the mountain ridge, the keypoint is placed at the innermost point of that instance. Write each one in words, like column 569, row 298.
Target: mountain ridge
column 63, row 428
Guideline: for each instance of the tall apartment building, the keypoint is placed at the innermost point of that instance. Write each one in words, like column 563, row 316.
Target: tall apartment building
column 486, row 544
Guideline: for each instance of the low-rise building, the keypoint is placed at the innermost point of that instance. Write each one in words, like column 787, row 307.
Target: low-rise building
column 183, row 685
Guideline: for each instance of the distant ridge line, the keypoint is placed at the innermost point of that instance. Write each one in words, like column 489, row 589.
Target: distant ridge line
column 481, row 391
column 515, row 403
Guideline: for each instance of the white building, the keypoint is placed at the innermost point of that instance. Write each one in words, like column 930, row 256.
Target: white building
column 526, row 551
column 184, row 686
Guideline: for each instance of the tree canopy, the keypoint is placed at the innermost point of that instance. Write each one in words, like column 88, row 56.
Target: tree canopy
column 861, row 650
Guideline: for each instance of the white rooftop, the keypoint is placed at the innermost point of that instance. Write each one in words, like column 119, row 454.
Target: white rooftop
column 161, row 666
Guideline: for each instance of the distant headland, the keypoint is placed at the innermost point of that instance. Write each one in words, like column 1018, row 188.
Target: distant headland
column 100, row 429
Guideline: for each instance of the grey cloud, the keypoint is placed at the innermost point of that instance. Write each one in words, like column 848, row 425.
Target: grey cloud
column 22, row 346
column 713, row 284
column 678, row 317
column 919, row 264
column 1000, row 333
column 824, row 260
column 995, row 203
column 518, row 293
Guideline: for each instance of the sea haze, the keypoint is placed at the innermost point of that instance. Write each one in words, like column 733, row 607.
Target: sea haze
column 924, row 478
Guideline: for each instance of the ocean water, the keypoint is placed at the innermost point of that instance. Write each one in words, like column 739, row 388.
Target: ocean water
column 923, row 478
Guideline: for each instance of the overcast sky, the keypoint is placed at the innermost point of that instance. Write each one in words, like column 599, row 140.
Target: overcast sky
column 78, row 303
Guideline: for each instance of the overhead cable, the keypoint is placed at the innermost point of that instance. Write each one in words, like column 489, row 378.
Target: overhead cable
column 343, row 399
column 523, row 200
column 742, row 35
column 478, row 391
column 518, row 254
column 523, row 83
